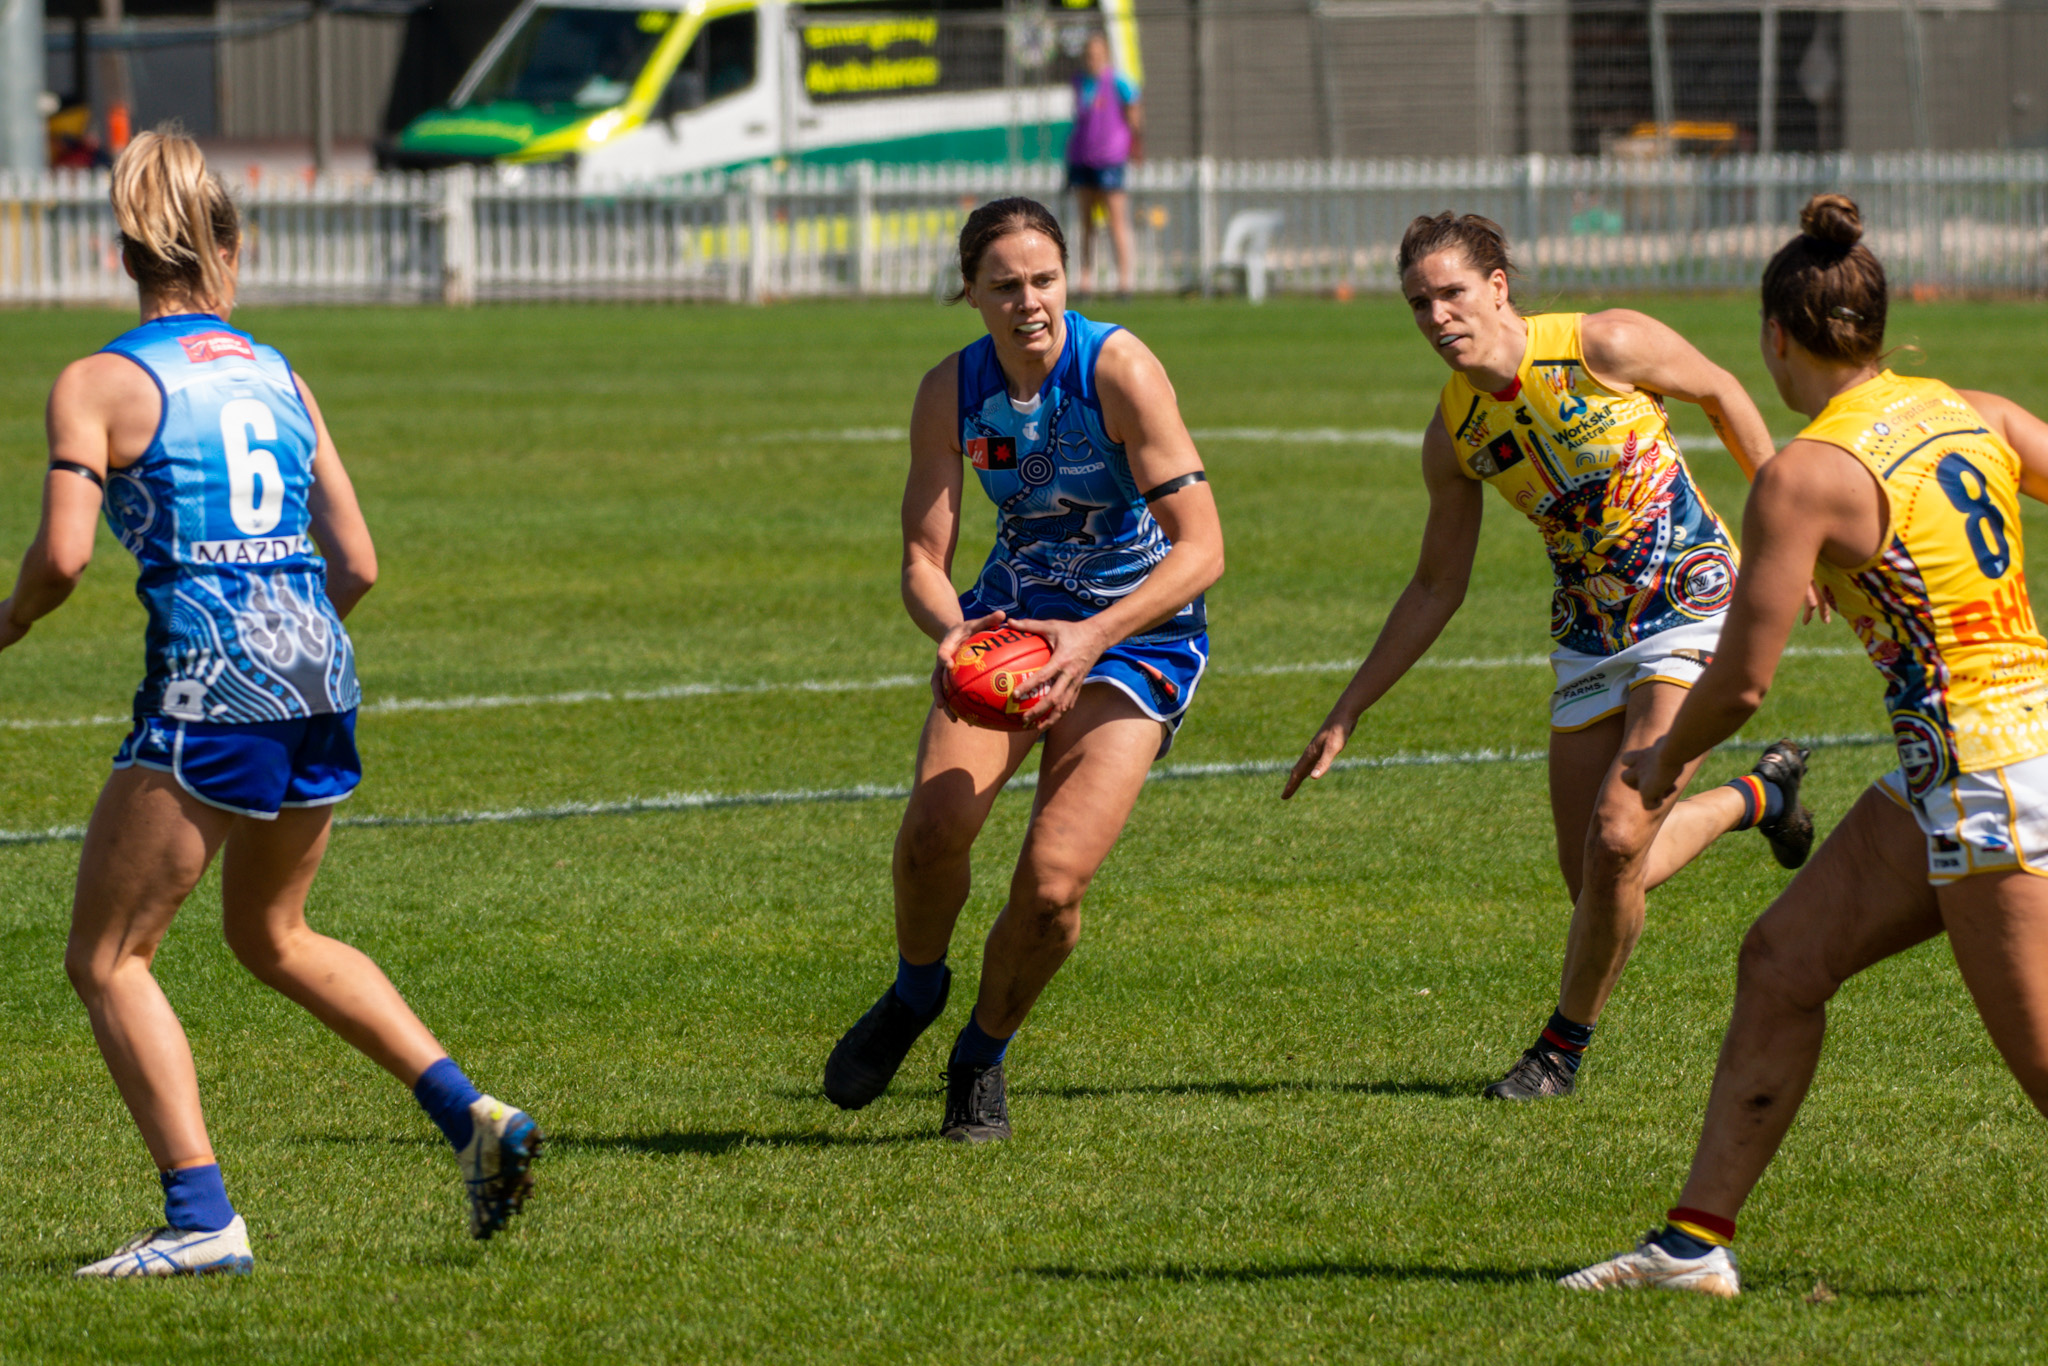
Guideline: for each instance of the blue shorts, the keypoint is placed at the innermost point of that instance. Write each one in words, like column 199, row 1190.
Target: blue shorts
column 254, row 769
column 1160, row 676
column 1095, row 177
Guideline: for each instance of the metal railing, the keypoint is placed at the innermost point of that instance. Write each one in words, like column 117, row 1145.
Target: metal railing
column 1952, row 221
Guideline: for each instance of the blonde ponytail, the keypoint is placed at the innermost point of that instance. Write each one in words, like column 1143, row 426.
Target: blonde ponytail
column 176, row 219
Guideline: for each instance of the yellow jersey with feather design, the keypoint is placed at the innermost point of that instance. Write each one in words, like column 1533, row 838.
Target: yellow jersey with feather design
column 1942, row 610
column 1634, row 545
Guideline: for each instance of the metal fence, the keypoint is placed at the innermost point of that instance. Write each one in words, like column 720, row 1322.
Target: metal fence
column 1973, row 223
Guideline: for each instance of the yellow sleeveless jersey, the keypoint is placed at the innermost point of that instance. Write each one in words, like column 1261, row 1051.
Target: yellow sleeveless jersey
column 1634, row 546
column 1942, row 609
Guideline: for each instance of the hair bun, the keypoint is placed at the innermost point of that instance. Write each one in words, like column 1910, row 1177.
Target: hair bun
column 1832, row 218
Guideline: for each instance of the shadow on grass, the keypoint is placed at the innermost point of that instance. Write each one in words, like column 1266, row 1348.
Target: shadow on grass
column 1299, row 1271
column 1442, row 1090
column 718, row 1142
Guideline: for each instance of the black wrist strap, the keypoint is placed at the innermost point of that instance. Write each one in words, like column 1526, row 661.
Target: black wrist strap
column 73, row 467
column 1174, row 485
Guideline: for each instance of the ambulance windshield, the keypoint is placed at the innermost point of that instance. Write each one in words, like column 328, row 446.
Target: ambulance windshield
column 585, row 58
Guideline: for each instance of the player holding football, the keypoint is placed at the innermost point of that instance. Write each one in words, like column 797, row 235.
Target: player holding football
column 1563, row 413
column 1106, row 537
column 1902, row 497
column 218, row 474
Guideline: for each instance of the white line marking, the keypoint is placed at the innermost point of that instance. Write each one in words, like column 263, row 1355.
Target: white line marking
column 863, row 792
column 495, row 701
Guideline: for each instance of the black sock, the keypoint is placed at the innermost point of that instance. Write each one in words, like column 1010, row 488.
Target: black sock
column 1567, row 1039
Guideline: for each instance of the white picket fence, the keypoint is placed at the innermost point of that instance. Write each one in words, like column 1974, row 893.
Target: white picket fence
column 1965, row 222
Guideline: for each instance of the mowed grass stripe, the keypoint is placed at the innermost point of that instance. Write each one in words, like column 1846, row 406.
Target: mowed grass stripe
column 586, row 696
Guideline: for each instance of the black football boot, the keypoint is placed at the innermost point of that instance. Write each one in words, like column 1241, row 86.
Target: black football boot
column 865, row 1059
column 977, row 1103
column 1790, row 833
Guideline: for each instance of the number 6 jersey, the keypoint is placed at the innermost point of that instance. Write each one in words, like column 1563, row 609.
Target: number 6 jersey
column 1942, row 608
column 240, row 628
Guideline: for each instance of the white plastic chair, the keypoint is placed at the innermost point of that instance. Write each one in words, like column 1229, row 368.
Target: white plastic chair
column 1246, row 239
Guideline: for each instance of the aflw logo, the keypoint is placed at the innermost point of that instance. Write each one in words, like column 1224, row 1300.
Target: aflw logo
column 261, row 550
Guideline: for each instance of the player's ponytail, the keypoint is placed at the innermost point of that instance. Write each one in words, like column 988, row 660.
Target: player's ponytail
column 1825, row 288
column 176, row 219
column 998, row 219
column 1483, row 241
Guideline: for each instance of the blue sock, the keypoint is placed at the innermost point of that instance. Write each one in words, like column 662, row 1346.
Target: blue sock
column 918, row 984
column 979, row 1048
column 445, row 1094
column 194, row 1198
column 1679, row 1243
column 1568, row 1039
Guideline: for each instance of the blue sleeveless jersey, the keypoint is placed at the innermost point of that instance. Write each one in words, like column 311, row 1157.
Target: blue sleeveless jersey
column 1072, row 533
column 240, row 628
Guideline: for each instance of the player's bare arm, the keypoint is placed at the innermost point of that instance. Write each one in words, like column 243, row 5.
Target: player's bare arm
column 1141, row 413
column 338, row 526
column 1450, row 539
column 1630, row 350
column 1813, row 502
column 931, row 521
column 2021, row 430
column 84, row 411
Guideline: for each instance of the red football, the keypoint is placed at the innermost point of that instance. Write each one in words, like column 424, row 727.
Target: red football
column 991, row 672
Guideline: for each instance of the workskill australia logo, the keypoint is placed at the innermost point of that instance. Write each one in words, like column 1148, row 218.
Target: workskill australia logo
column 992, row 452
column 212, row 346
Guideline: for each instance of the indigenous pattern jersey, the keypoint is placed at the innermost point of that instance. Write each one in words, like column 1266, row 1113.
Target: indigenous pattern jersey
column 240, row 628
column 1635, row 548
column 1942, row 610
column 1072, row 533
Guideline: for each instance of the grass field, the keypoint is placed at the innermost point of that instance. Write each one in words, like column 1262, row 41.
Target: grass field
column 1247, row 1124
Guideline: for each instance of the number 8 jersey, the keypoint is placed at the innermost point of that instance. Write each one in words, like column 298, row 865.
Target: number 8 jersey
column 1942, row 608
column 240, row 627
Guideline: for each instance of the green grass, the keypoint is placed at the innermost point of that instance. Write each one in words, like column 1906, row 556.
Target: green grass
column 1246, row 1115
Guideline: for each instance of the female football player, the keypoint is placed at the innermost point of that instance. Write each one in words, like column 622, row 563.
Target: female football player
column 1563, row 413
column 218, row 474
column 1901, row 497
column 1106, row 537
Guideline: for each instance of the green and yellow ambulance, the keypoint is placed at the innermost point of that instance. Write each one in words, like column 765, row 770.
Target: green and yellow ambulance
column 665, row 87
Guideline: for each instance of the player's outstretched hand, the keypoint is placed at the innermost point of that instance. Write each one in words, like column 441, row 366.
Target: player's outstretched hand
column 1315, row 761
column 1076, row 645
column 949, row 644
column 1821, row 599
column 9, row 632
column 1645, row 771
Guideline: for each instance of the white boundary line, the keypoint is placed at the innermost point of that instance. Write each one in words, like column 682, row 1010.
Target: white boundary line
column 863, row 792
column 495, row 701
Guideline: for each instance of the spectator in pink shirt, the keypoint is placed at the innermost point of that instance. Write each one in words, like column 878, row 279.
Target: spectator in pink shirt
column 1108, row 122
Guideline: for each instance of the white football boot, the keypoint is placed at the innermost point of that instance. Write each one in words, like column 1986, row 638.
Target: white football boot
column 496, row 1163
column 1649, row 1264
column 179, row 1252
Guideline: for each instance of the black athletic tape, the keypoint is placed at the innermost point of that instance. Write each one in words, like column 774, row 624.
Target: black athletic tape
column 73, row 467
column 1174, row 485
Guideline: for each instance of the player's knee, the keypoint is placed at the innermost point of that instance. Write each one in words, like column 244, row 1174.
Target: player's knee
column 1615, row 842
column 259, row 948
column 1049, row 901
column 1773, row 969
column 87, row 971
column 931, row 839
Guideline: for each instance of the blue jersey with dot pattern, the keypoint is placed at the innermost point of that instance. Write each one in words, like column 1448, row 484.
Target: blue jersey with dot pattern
column 240, row 627
column 1073, row 534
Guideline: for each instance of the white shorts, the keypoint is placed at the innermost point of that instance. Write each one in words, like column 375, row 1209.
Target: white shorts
column 1591, row 688
column 1990, row 821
